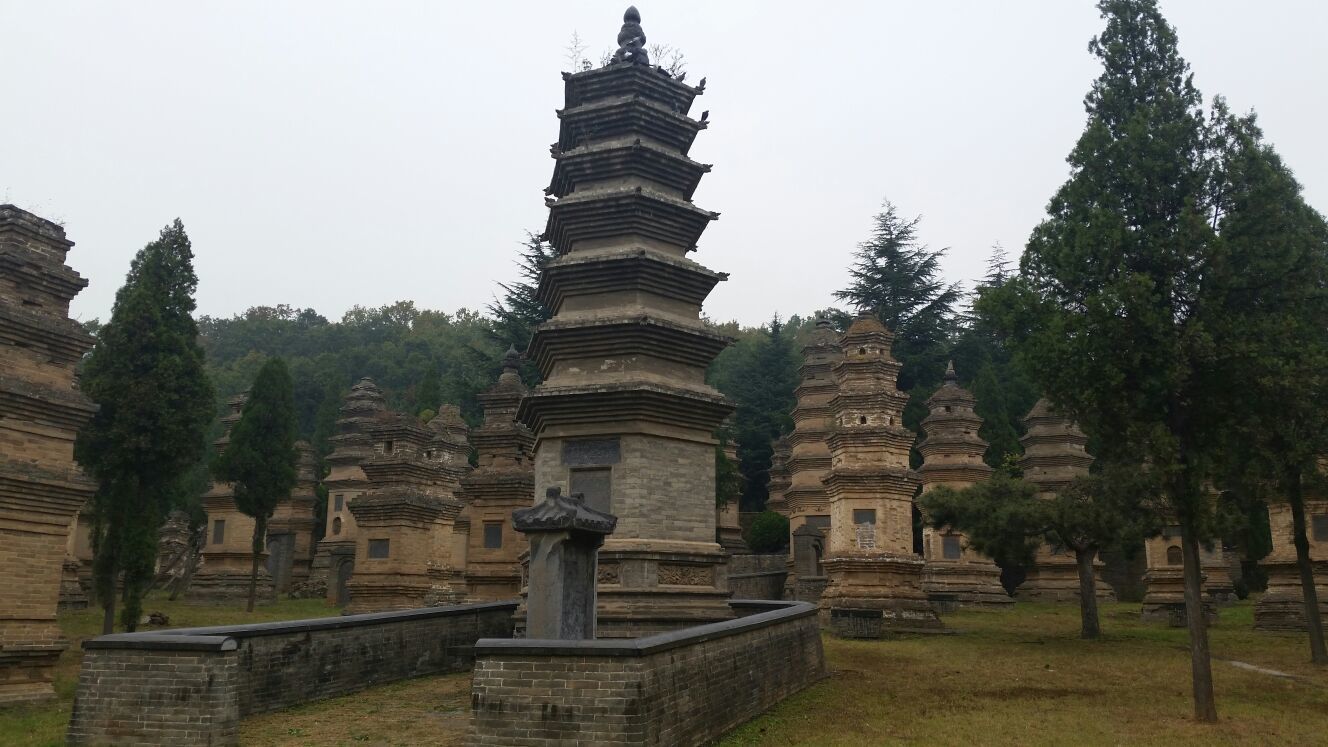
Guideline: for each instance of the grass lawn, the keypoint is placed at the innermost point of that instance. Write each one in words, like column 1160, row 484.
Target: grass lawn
column 29, row 726
column 1019, row 676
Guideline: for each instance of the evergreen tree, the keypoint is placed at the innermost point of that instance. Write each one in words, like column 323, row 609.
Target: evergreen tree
column 897, row 277
column 155, row 402
column 429, row 395
column 260, row 459
column 519, row 311
column 1004, row 519
column 1133, row 305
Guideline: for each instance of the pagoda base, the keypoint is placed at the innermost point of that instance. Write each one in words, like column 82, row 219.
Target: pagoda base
column 1164, row 599
column 875, row 596
column 1054, row 580
column 72, row 594
column 332, row 566
column 953, row 584
column 1218, row 586
column 1282, row 606
column 492, row 587
column 27, row 661
column 225, row 580
column 805, row 588
column 374, row 592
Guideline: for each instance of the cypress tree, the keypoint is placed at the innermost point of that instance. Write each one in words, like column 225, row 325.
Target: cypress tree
column 260, row 459
column 518, row 312
column 429, row 396
column 146, row 374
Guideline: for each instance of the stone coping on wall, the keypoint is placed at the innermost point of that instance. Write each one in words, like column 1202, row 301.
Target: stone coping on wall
column 760, row 613
column 213, row 638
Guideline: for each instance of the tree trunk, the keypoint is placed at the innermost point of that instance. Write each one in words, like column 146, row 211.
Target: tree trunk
column 1090, row 627
column 108, row 614
column 260, row 529
column 1313, row 622
column 1201, row 666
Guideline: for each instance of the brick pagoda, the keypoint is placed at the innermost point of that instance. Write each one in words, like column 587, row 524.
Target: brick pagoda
column 952, row 454
column 875, row 584
column 290, row 531
column 41, row 410
column 334, row 558
column 1282, row 606
column 223, row 575
column 503, row 481
column 805, row 499
column 779, row 481
column 624, row 415
column 1054, row 455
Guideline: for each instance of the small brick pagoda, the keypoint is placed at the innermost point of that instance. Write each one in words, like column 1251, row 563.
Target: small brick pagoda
column 502, row 482
column 1054, row 455
column 624, row 416
column 290, row 531
column 875, row 584
column 404, row 542
column 805, row 498
column 779, row 482
column 952, row 454
column 223, row 575
column 334, row 558
column 41, row 410
column 1282, row 606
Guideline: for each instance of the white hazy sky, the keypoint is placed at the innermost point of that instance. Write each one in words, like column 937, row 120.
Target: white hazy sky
column 326, row 154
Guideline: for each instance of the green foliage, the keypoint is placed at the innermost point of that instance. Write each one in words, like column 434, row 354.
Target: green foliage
column 759, row 373
column 429, row 396
column 155, row 401
column 728, row 480
column 260, row 459
column 769, row 532
column 519, row 311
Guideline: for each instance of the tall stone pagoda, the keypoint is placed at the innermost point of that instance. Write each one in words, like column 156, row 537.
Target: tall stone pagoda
column 807, row 503
column 223, row 575
column 290, row 531
column 404, row 521
column 875, row 577
column 952, row 454
column 41, row 410
column 450, row 451
column 779, row 482
column 1282, row 607
column 334, row 560
column 502, row 482
column 1054, row 455
column 624, row 416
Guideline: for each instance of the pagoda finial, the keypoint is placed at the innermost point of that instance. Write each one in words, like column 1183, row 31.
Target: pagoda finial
column 951, row 378
column 512, row 359
column 632, row 39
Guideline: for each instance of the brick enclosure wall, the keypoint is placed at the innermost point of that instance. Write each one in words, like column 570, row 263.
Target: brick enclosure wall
column 687, row 687
column 204, row 679
column 758, row 576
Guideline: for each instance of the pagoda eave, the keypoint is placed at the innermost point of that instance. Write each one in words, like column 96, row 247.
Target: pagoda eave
column 635, row 269
column 622, row 160
column 625, row 79
column 605, row 214
column 637, row 334
column 609, row 405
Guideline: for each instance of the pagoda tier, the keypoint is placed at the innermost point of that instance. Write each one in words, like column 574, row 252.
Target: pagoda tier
column 503, row 481
column 874, row 584
column 42, row 490
column 632, row 116
column 624, row 415
column 625, row 211
column 1054, row 455
column 334, row 561
column 808, row 460
column 620, row 159
column 779, row 476
column 952, row 453
column 634, row 270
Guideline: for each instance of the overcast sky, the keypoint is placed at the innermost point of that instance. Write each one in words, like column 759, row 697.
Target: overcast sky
column 327, row 154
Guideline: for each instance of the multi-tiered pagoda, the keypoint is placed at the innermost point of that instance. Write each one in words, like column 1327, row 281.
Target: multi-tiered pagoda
column 952, row 454
column 805, row 500
column 334, row 561
column 624, row 416
column 41, row 410
column 875, row 577
column 1282, row 607
column 228, row 550
column 290, row 531
column 1054, row 455
column 503, row 481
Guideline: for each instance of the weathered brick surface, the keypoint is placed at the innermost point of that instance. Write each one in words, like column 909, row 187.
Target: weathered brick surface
column 681, row 688
column 160, row 688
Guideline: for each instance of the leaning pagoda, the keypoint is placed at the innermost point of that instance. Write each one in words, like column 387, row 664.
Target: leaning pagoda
column 624, row 416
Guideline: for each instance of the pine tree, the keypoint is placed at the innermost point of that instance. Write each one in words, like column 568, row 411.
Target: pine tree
column 897, row 277
column 1123, row 310
column 260, row 459
column 429, row 395
column 519, row 311
column 146, row 375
